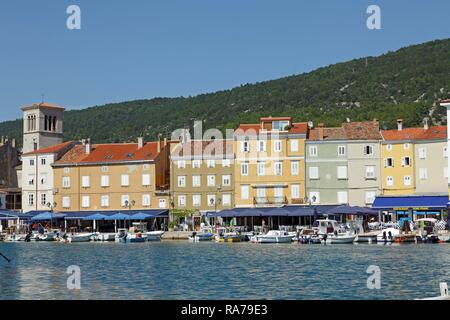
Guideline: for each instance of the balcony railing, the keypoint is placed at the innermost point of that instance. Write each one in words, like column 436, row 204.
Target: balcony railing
column 264, row 201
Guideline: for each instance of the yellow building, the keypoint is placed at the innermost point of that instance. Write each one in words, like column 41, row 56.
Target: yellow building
column 120, row 176
column 270, row 162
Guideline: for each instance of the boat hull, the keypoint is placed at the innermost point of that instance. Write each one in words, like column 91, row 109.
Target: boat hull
column 154, row 235
column 339, row 239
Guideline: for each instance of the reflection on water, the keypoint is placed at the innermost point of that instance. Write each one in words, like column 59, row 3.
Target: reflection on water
column 183, row 270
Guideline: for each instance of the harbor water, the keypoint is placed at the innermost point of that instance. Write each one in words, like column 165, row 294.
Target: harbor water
column 184, row 270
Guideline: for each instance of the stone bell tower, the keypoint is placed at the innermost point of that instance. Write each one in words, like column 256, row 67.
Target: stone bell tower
column 42, row 126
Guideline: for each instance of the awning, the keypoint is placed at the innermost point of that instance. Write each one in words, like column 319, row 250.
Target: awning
column 119, row 216
column 355, row 210
column 47, row 216
column 12, row 215
column 285, row 211
column 142, row 216
column 404, row 203
column 97, row 216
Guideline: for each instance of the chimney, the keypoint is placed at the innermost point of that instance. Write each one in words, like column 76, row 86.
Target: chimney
column 165, row 142
column 399, row 124
column 140, row 142
column 348, row 120
column 425, row 124
column 320, row 129
column 88, row 146
column 13, row 143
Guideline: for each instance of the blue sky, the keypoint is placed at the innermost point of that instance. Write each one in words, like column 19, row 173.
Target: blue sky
column 152, row 48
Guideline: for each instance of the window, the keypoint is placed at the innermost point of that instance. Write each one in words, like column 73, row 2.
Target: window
column 162, row 203
column 196, row 164
column 261, row 146
column 211, row 180
column 295, row 168
column 277, row 146
column 32, row 162
column 104, row 201
column 31, row 180
column 445, row 152
column 66, row 170
column 211, row 199
column 280, row 125
column 181, row 200
column 314, row 197
column 313, row 172
column 370, row 172
column 313, row 151
column 124, row 200
column 370, row 197
column 342, row 172
column 43, row 199
column 245, row 192
column 105, row 169
column 66, row 202
column 146, row 179
column 85, row 183
column 146, row 200
column 43, row 161
column 278, row 168
column 181, row 164
column 407, row 180
column 105, row 181
column 211, row 163
column 294, row 145
column 278, row 192
column 342, row 197
column 181, row 181
column 406, row 146
column 244, row 169
column 368, row 150
column 66, row 182
column 422, row 153
column 245, row 146
column 406, row 162
column 295, row 191
column 125, row 180
column 226, row 199
column 261, row 168
column 260, row 192
column 389, row 147
column 423, row 173
column 196, row 181
column 31, row 199
column 85, row 201
column 388, row 162
column 341, row 151
column 389, row 181
column 226, row 163
column 43, row 179
column 226, row 180
column 196, row 200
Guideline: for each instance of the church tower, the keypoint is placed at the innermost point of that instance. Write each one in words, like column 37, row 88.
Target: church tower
column 42, row 126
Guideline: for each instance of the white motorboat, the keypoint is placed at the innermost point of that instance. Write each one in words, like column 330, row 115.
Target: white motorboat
column 201, row 236
column 79, row 237
column 331, row 233
column 154, row 235
column 387, row 235
column 273, row 236
column 105, row 237
column 15, row 237
column 367, row 237
column 125, row 237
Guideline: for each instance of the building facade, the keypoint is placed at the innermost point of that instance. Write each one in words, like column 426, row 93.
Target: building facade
column 120, row 176
column 270, row 162
column 202, row 175
column 343, row 164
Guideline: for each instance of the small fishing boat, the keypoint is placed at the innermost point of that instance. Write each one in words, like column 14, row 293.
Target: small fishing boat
column 338, row 238
column 407, row 238
column 201, row 236
column 331, row 233
column 79, row 237
column 387, row 235
column 125, row 237
column 105, row 237
column 229, row 237
column 273, row 236
column 154, row 235
column 368, row 237
column 15, row 237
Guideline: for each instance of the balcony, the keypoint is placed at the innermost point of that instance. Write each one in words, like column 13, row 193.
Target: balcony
column 268, row 201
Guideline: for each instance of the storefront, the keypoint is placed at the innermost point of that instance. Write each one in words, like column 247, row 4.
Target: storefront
column 396, row 208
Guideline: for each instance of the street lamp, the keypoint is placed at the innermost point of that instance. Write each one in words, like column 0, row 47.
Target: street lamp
column 51, row 206
column 129, row 205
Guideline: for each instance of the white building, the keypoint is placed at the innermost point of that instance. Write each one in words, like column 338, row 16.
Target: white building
column 446, row 103
column 42, row 145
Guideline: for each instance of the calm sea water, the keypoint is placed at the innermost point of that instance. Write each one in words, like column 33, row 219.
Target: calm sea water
column 183, row 270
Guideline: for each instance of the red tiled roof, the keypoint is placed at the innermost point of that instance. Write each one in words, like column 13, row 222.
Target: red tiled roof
column 445, row 101
column 364, row 130
column 254, row 128
column 114, row 152
column 53, row 149
column 433, row 132
column 214, row 148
